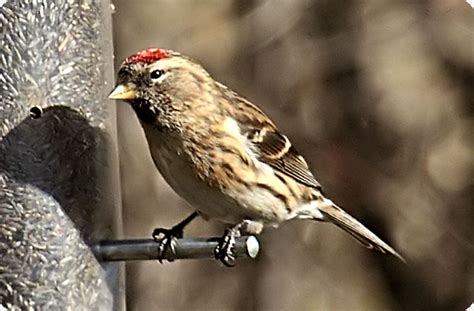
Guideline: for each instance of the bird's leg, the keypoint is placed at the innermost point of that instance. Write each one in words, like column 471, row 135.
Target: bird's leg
column 225, row 249
column 169, row 236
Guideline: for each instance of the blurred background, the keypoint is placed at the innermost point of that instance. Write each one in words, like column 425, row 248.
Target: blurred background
column 379, row 98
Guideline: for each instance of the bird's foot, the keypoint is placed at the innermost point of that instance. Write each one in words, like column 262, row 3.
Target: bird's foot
column 166, row 238
column 225, row 249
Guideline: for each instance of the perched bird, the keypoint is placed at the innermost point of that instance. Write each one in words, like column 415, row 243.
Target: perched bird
column 222, row 154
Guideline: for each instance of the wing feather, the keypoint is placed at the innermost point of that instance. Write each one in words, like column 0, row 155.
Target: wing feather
column 276, row 150
column 273, row 148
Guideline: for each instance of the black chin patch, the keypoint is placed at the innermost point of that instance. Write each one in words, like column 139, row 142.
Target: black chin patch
column 145, row 112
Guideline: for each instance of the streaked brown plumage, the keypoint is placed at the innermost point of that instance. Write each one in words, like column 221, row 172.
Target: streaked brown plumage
column 220, row 152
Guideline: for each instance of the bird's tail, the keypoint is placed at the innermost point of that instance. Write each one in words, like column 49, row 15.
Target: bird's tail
column 358, row 231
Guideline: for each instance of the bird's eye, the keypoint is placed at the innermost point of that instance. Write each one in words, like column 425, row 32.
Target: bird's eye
column 156, row 74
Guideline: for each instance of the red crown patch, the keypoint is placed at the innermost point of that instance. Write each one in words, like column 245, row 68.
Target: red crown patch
column 148, row 56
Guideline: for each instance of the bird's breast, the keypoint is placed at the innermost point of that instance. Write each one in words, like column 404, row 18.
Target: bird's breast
column 178, row 169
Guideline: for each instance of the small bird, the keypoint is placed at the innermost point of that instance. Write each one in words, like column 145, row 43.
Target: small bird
column 222, row 154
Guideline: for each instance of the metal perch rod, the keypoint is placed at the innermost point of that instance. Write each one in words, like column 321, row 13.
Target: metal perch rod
column 147, row 249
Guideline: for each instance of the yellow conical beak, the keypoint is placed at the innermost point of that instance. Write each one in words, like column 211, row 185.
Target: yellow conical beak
column 123, row 92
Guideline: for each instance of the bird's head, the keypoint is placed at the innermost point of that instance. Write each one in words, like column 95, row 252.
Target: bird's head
column 155, row 80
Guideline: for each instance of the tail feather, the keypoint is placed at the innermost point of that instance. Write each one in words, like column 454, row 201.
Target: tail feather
column 358, row 231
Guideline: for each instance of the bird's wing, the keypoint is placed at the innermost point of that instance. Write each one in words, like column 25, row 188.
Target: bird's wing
column 276, row 150
column 272, row 147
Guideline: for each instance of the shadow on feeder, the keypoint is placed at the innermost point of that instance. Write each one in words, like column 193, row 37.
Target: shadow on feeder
column 57, row 151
